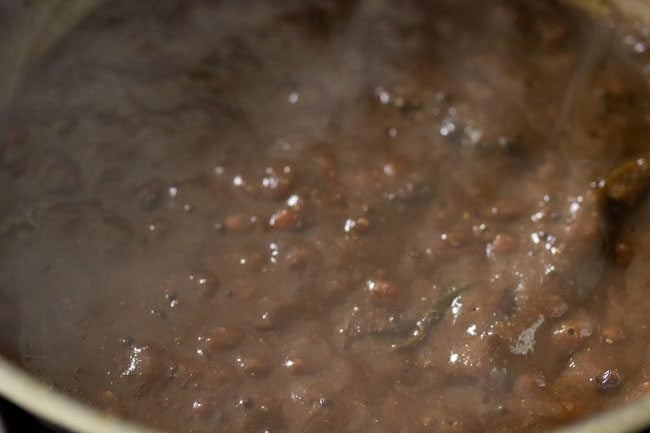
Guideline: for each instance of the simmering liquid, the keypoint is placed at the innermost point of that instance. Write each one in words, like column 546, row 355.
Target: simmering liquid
column 330, row 216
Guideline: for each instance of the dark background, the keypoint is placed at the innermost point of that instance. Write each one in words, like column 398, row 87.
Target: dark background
column 17, row 420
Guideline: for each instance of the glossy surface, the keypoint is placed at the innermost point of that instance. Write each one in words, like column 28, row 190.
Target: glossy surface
column 330, row 216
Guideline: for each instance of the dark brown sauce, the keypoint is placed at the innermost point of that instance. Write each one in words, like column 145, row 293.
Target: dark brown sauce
column 330, row 216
